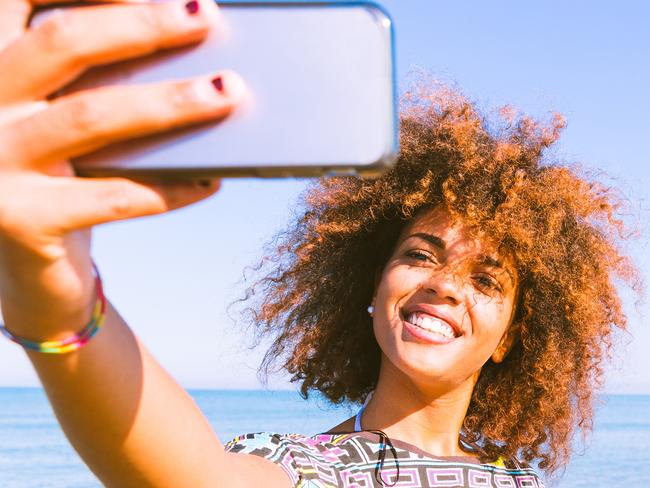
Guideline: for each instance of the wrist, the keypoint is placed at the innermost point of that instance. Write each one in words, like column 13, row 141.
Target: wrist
column 49, row 319
column 46, row 325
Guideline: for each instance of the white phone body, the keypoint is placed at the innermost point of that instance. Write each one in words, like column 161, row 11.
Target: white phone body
column 323, row 96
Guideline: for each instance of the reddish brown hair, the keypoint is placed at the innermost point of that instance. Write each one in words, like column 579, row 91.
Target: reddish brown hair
column 561, row 226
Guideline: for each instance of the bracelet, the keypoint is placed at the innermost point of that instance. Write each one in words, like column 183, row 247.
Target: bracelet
column 75, row 341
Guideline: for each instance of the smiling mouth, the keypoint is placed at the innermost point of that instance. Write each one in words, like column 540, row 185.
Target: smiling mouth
column 431, row 324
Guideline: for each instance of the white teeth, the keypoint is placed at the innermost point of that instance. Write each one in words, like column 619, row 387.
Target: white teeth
column 431, row 324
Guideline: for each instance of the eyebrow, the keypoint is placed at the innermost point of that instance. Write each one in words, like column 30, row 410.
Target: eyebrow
column 431, row 239
column 484, row 259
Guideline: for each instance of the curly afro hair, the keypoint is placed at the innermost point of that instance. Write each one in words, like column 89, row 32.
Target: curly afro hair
column 562, row 227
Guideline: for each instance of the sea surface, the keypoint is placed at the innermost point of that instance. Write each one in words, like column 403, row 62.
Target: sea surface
column 34, row 452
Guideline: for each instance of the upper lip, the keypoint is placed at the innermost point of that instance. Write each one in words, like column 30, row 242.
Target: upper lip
column 434, row 312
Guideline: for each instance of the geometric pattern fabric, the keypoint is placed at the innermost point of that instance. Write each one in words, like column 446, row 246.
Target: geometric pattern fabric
column 350, row 460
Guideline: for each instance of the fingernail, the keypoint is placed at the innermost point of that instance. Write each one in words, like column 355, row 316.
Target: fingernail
column 230, row 84
column 218, row 84
column 192, row 7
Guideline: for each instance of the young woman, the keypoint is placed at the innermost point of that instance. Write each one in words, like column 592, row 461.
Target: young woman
column 465, row 297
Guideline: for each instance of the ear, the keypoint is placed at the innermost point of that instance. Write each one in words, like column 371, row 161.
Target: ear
column 507, row 341
column 378, row 273
column 512, row 333
column 371, row 308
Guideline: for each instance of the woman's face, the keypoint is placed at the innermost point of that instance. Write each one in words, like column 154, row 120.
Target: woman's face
column 444, row 301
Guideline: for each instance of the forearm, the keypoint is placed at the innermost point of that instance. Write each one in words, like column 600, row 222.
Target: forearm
column 128, row 419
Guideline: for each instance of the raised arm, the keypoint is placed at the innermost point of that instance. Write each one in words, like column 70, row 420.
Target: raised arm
column 127, row 418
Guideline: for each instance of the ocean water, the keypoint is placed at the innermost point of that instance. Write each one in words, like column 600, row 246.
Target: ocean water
column 35, row 454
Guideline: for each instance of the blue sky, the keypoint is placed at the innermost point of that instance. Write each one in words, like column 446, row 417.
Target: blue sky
column 173, row 276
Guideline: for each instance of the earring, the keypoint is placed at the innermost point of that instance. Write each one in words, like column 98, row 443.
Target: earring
column 371, row 310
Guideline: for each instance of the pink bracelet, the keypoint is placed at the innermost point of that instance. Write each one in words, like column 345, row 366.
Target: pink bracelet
column 75, row 341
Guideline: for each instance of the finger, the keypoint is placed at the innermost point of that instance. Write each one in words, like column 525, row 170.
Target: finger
column 57, row 205
column 88, row 120
column 15, row 13
column 13, row 18
column 113, row 199
column 14, row 113
column 71, row 40
column 41, row 3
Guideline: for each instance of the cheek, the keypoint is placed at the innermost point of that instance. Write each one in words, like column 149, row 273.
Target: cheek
column 398, row 282
column 491, row 318
column 394, row 289
column 488, row 322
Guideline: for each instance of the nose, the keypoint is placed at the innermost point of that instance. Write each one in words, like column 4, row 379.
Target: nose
column 447, row 286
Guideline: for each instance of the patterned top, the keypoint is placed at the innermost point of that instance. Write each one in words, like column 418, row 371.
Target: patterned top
column 353, row 460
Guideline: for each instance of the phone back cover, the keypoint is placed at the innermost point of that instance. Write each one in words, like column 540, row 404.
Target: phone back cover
column 322, row 79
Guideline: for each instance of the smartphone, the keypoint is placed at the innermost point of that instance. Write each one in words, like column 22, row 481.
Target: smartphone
column 323, row 96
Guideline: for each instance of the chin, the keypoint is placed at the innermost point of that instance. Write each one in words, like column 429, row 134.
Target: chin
column 421, row 366
column 422, row 357
column 424, row 365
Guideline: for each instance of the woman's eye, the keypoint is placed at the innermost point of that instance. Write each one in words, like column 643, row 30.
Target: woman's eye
column 487, row 281
column 419, row 255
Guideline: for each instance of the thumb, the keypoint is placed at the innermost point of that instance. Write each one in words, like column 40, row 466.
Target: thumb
column 83, row 203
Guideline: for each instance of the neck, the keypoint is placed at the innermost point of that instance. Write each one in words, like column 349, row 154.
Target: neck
column 427, row 416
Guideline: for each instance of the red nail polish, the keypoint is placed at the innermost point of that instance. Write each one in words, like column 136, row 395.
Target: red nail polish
column 218, row 83
column 192, row 7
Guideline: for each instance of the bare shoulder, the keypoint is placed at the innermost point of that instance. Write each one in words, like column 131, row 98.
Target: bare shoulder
column 345, row 426
column 250, row 470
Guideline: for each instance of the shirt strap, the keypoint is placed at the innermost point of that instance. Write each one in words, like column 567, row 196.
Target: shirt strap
column 357, row 419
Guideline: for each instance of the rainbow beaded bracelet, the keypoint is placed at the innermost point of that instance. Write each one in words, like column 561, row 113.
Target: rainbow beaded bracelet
column 75, row 341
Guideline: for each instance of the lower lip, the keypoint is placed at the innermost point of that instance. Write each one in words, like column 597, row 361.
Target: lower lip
column 424, row 335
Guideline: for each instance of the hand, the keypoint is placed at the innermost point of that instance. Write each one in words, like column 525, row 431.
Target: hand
column 46, row 213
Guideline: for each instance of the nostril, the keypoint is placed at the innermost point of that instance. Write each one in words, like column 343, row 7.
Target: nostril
column 448, row 297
